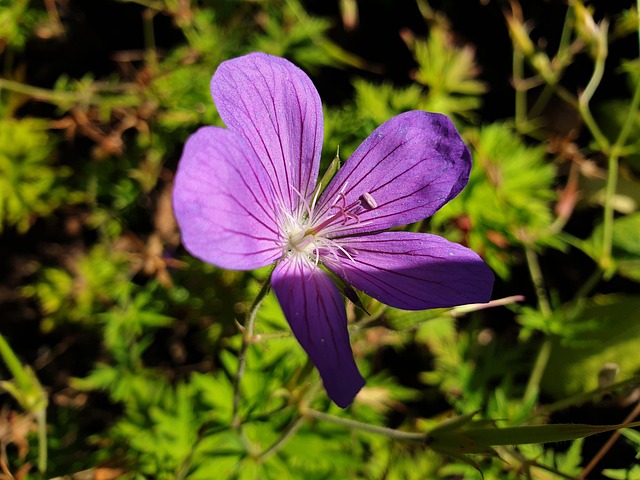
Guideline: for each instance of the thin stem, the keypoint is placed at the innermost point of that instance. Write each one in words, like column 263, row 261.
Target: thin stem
column 612, row 180
column 593, row 395
column 538, row 281
column 544, row 353
column 521, row 93
column 247, row 338
column 289, row 432
column 355, row 425
column 607, row 228
column 585, row 98
column 607, row 446
column 512, row 455
column 38, row 93
column 533, row 385
column 294, row 425
column 542, row 100
column 560, row 62
column 150, row 53
column 589, row 285
column 41, row 419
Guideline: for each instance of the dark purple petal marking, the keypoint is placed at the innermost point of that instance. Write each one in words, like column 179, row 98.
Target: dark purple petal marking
column 315, row 310
column 224, row 204
column 411, row 166
column 413, row 271
column 274, row 105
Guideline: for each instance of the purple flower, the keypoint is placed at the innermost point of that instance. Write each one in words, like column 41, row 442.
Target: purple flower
column 245, row 197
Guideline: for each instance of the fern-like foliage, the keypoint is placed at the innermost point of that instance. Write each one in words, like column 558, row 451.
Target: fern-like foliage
column 30, row 184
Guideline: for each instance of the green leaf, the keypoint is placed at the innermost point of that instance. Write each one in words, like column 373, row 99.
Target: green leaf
column 462, row 435
column 449, row 72
column 607, row 330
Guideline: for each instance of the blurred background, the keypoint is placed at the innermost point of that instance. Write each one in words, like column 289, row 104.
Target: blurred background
column 119, row 350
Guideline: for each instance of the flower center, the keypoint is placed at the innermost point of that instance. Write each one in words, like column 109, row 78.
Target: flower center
column 311, row 238
column 301, row 241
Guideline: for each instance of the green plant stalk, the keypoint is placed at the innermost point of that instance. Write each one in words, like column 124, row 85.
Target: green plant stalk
column 520, row 93
column 606, row 259
column 540, row 365
column 512, row 455
column 583, row 104
column 538, row 281
column 295, row 424
column 61, row 98
column 14, row 365
column 247, row 338
column 41, row 420
column 607, row 446
column 544, row 353
column 289, row 432
column 593, row 395
column 564, row 60
column 588, row 285
column 25, row 383
column 612, row 180
column 38, row 93
column 151, row 56
column 365, row 427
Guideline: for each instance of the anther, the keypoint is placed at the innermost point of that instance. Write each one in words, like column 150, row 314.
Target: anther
column 367, row 201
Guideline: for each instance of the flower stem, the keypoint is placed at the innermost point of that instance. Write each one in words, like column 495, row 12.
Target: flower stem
column 294, row 425
column 607, row 228
column 289, row 432
column 544, row 353
column 41, row 419
column 585, row 98
column 13, row 364
column 247, row 338
column 520, row 93
column 365, row 427
column 538, row 281
column 533, row 385
column 151, row 56
column 612, row 180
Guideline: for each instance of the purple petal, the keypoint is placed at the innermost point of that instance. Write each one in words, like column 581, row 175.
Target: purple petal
column 404, row 172
column 315, row 310
column 412, row 271
column 224, row 204
column 274, row 105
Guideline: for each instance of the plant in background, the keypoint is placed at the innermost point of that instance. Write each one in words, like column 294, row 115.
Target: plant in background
column 172, row 386
column 30, row 186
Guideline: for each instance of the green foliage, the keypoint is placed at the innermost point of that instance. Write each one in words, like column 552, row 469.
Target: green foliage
column 448, row 72
column 17, row 20
column 507, row 201
column 625, row 248
column 96, row 281
column 289, row 31
column 604, row 330
column 30, row 184
column 155, row 395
